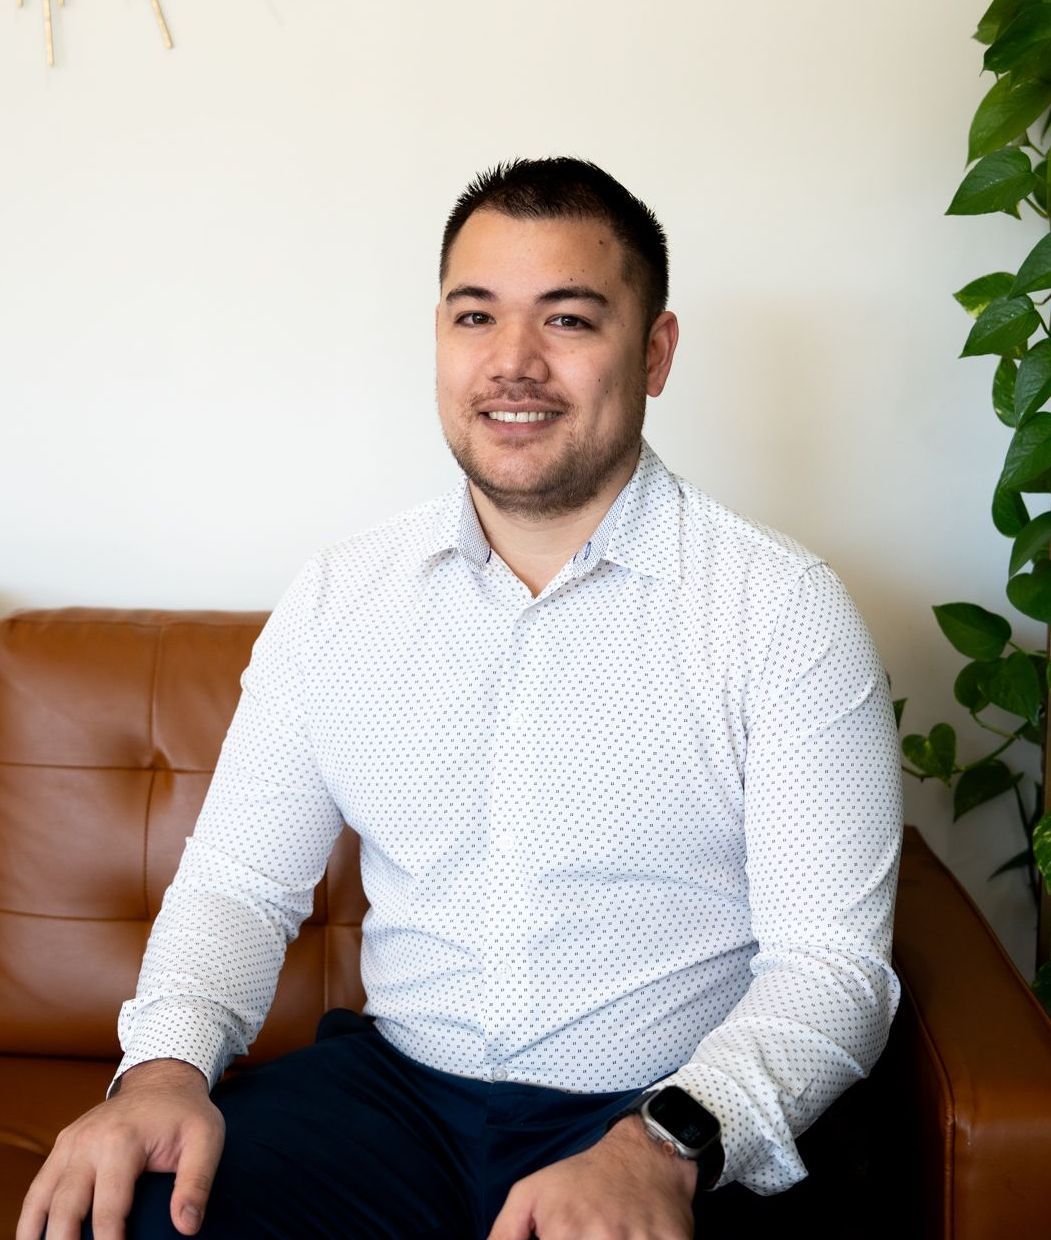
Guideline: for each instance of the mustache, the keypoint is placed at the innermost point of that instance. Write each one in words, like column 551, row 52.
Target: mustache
column 517, row 396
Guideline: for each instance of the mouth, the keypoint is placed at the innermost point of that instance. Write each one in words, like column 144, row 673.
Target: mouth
column 518, row 417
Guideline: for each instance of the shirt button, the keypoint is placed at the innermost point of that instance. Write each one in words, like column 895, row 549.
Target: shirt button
column 516, row 719
column 499, row 1074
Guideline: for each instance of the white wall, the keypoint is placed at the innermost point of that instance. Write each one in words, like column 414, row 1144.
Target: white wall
column 218, row 272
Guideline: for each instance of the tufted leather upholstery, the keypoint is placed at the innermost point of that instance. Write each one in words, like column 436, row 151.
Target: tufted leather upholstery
column 110, row 725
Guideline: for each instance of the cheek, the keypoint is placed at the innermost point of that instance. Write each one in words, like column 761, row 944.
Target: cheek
column 453, row 370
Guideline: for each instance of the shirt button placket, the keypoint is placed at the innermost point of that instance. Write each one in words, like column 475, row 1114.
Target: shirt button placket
column 501, row 893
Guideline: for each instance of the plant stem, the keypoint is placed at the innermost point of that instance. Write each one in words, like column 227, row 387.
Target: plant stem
column 1011, row 736
column 1034, row 891
column 989, row 756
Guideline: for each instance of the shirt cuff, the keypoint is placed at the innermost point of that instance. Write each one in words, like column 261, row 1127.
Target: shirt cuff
column 765, row 1162
column 170, row 1030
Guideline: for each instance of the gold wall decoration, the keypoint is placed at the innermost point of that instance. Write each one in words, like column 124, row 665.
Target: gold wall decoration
column 49, row 39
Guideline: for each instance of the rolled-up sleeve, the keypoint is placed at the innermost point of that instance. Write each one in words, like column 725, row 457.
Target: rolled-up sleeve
column 823, row 824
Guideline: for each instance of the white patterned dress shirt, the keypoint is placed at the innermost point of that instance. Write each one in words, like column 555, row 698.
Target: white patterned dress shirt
column 644, row 826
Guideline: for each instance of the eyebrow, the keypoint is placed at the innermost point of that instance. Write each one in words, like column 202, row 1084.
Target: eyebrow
column 568, row 292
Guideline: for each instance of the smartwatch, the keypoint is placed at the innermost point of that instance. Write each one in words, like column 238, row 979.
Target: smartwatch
column 671, row 1115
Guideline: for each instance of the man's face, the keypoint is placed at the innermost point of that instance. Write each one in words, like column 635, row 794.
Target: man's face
column 536, row 315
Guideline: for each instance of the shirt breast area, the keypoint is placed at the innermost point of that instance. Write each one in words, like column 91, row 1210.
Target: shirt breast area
column 596, row 734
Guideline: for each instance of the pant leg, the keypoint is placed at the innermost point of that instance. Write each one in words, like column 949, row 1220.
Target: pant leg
column 335, row 1142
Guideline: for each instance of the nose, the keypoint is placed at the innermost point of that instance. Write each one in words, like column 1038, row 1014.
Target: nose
column 518, row 354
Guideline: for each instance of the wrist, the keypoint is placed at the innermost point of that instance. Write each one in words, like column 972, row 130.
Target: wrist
column 160, row 1073
column 631, row 1136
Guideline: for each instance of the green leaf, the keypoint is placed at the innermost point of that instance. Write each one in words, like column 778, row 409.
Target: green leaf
column 973, row 631
column 1031, row 543
column 1033, row 385
column 981, row 784
column 1005, row 113
column 1034, row 735
column 1040, row 188
column 995, row 183
column 1002, row 327
column 996, row 17
column 1009, row 512
column 1041, row 984
column 1021, row 42
column 899, row 708
column 1042, row 848
column 1004, row 380
column 1014, row 686
column 968, row 688
column 942, row 743
column 974, row 297
column 1031, row 592
column 1029, row 456
column 1035, row 273
column 1019, row 860
column 934, row 755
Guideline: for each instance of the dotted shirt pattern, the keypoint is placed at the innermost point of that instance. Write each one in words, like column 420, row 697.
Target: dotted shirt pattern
column 644, row 826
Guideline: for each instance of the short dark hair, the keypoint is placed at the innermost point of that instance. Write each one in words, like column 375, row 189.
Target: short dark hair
column 559, row 187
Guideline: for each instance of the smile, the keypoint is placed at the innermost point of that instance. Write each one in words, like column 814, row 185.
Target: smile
column 524, row 415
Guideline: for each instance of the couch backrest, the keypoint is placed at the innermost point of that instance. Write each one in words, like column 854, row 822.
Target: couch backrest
column 111, row 722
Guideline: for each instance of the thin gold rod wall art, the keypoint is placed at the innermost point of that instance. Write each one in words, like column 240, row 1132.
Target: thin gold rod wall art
column 49, row 38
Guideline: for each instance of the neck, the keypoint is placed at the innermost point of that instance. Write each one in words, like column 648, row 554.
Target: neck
column 536, row 548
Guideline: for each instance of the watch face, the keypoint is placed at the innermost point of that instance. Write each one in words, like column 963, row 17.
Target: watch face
column 683, row 1117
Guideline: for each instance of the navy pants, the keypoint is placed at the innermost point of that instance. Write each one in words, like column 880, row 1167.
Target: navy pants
column 350, row 1138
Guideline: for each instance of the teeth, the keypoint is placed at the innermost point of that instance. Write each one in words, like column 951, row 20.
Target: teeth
column 525, row 415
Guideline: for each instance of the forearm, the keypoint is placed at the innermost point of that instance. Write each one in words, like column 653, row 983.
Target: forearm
column 211, row 965
column 767, row 1074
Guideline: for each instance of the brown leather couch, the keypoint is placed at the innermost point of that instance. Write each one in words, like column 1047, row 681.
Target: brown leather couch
column 110, row 725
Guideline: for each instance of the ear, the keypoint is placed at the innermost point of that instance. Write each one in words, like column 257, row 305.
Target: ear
column 660, row 349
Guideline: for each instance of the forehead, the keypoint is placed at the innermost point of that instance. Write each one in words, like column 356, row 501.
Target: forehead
column 510, row 255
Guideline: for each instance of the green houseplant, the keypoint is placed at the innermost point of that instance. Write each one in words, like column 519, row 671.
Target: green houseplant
column 1007, row 159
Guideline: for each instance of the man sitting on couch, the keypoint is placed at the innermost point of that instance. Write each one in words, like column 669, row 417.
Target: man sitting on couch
column 625, row 772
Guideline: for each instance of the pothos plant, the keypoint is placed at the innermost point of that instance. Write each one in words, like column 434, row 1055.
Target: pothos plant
column 1008, row 148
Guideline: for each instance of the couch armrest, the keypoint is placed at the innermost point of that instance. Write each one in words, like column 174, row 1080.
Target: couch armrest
column 975, row 1051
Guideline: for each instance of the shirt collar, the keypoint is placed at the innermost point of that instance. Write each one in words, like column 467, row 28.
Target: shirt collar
column 640, row 530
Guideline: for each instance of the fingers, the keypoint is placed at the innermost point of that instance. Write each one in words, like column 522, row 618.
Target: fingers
column 515, row 1220
column 195, row 1174
column 34, row 1208
column 37, row 1203
column 114, row 1192
column 70, row 1204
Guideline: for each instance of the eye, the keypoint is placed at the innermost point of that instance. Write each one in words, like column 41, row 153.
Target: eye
column 471, row 314
column 574, row 322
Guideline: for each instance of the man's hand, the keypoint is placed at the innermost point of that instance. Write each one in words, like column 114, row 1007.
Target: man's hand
column 625, row 1187
column 161, row 1120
